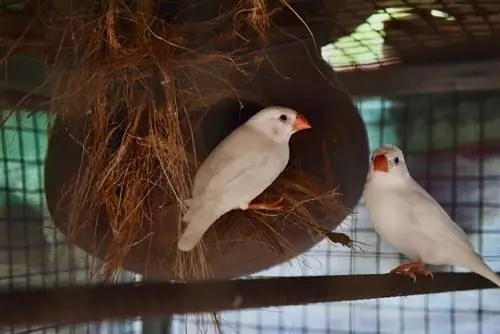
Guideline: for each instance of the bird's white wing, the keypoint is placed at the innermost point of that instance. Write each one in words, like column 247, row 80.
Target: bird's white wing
column 431, row 217
column 236, row 172
column 241, row 156
column 450, row 243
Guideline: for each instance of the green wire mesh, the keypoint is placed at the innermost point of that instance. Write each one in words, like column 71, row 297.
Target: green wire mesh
column 32, row 251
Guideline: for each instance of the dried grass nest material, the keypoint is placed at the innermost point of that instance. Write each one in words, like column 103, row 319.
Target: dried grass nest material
column 106, row 71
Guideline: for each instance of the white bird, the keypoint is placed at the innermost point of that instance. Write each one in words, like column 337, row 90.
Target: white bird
column 407, row 217
column 239, row 169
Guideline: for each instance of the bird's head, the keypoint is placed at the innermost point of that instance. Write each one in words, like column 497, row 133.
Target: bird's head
column 389, row 161
column 279, row 123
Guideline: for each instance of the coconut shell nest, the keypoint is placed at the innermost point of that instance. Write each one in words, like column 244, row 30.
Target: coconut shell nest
column 126, row 99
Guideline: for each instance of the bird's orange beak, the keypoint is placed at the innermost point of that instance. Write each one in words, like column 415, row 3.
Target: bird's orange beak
column 380, row 163
column 301, row 123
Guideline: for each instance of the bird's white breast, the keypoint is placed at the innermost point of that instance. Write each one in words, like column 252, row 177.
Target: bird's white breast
column 390, row 214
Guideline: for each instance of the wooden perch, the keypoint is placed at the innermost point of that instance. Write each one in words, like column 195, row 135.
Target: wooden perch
column 77, row 304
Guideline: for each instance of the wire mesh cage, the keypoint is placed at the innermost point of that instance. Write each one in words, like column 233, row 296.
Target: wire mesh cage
column 452, row 151
column 381, row 33
column 451, row 147
column 450, row 140
column 34, row 253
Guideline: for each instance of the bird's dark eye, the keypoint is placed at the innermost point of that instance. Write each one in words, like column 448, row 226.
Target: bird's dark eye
column 283, row 118
column 396, row 160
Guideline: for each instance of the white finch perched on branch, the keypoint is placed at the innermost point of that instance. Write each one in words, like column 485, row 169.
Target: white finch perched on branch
column 407, row 217
column 239, row 169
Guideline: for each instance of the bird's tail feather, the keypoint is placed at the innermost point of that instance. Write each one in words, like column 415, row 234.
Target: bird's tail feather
column 199, row 219
column 476, row 264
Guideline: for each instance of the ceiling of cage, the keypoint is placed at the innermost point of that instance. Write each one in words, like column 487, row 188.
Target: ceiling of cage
column 374, row 33
column 414, row 32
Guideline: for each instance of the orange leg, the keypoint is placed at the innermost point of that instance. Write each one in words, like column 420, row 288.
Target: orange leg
column 412, row 268
column 273, row 206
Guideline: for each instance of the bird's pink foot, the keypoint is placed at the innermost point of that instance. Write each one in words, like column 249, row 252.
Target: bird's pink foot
column 412, row 268
column 273, row 206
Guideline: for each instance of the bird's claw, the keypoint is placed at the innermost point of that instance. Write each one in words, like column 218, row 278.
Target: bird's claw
column 273, row 206
column 406, row 273
column 425, row 272
column 410, row 274
column 412, row 268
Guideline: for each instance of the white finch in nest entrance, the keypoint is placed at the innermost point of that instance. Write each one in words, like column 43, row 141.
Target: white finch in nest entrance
column 407, row 217
column 239, row 169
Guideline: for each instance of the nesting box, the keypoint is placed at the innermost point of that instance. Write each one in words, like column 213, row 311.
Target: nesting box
column 334, row 153
column 216, row 87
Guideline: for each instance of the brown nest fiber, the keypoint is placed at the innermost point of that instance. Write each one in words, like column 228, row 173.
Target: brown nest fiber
column 123, row 73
